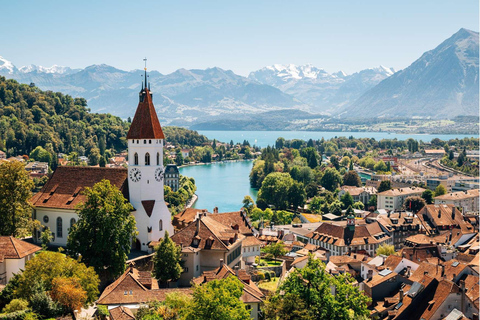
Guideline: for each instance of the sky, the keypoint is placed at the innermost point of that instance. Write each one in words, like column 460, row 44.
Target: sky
column 241, row 36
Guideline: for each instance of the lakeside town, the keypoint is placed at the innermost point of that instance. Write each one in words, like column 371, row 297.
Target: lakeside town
column 373, row 229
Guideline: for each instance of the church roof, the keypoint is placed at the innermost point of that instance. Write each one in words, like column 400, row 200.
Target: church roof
column 12, row 248
column 64, row 189
column 145, row 124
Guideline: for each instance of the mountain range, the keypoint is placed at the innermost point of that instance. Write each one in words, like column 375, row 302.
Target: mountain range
column 442, row 83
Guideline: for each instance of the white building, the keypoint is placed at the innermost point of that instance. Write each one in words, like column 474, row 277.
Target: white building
column 14, row 253
column 467, row 200
column 142, row 184
column 393, row 199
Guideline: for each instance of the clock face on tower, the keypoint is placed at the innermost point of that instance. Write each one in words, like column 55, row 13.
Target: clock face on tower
column 159, row 174
column 135, row 175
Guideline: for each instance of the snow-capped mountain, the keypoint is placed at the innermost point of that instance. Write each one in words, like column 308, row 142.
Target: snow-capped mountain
column 442, row 83
column 325, row 92
column 6, row 67
column 53, row 69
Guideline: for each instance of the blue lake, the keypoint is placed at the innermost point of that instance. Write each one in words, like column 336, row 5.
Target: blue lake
column 264, row 138
column 222, row 185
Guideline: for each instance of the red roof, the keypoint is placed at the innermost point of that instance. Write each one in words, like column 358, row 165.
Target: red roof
column 145, row 124
column 12, row 248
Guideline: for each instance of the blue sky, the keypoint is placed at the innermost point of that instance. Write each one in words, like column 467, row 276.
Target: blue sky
column 238, row 35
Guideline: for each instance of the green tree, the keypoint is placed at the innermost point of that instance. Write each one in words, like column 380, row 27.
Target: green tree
column 102, row 235
column 335, row 162
column 296, row 195
column 315, row 204
column 94, row 157
column 380, row 166
column 46, row 237
column 335, row 208
column 310, row 288
column 179, row 158
column 311, row 190
column 384, row 186
column 440, row 190
column 414, row 203
column 167, row 261
column 102, row 163
column 15, row 191
column 47, row 266
column 347, row 200
column 351, row 178
column 451, row 155
column 358, row 205
column 372, row 202
column 385, row 249
column 248, row 204
column 276, row 249
column 275, row 189
column 311, row 155
column 218, row 300
column 40, row 154
column 331, row 179
column 428, row 195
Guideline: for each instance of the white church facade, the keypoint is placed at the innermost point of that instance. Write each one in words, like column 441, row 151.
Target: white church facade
column 141, row 184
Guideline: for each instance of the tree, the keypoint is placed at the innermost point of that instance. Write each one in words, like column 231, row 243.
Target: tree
column 345, row 161
column 351, row 178
column 69, row 293
column 335, row 208
column 94, row 157
column 451, row 155
column 275, row 189
column 414, row 203
column 102, row 163
column 315, row 204
column 276, row 249
column 358, row 205
column 311, row 190
column 311, row 155
column 46, row 237
column 384, row 186
column 218, row 300
column 428, row 195
column 179, row 158
column 15, row 191
column 47, row 266
column 296, row 195
column 331, row 179
column 380, row 166
column 102, row 235
column 248, row 204
column 440, row 190
column 166, row 261
column 40, row 154
column 335, row 162
column 372, row 202
column 347, row 200
column 385, row 249
column 306, row 294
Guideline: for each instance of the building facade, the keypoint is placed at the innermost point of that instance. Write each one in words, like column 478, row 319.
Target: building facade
column 393, row 199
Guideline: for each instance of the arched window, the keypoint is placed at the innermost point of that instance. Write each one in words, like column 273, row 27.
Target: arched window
column 59, row 228
column 136, row 159
column 158, row 158
column 147, row 159
column 160, row 225
column 72, row 222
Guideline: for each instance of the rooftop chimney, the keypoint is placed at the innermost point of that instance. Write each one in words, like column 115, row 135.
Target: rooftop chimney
column 236, row 270
column 462, row 289
column 443, row 271
column 439, row 213
column 453, row 213
column 401, row 294
column 221, row 262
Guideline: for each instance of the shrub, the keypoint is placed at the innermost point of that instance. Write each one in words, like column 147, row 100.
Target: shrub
column 42, row 304
column 17, row 315
column 261, row 275
column 30, row 316
column 267, row 276
column 15, row 305
column 102, row 311
column 269, row 256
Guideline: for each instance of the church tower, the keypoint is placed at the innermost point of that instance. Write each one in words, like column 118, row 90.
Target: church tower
column 146, row 172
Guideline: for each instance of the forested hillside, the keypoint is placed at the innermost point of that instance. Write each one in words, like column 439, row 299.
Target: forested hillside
column 30, row 117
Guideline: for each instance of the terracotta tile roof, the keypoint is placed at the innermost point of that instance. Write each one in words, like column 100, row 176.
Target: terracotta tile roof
column 121, row 313
column 401, row 191
column 251, row 293
column 418, row 254
column 444, row 289
column 337, row 233
column 251, row 241
column 392, row 262
column 128, row 289
column 211, row 235
column 472, row 289
column 397, row 219
column 145, row 124
column 187, row 216
column 64, row 189
column 453, row 268
column 433, row 270
column 232, row 219
column 340, row 260
column 12, row 248
column 474, row 193
column 443, row 216
column 378, row 279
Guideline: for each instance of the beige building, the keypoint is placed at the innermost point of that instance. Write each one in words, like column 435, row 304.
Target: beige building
column 204, row 243
column 467, row 200
column 393, row 199
column 361, row 194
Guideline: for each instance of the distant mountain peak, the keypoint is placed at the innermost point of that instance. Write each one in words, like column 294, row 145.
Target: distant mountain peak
column 7, row 65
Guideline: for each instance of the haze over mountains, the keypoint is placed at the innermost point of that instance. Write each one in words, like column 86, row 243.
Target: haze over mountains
column 442, row 83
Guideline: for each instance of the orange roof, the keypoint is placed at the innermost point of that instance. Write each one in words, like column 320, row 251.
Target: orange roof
column 12, row 248
column 121, row 313
column 145, row 124
column 64, row 189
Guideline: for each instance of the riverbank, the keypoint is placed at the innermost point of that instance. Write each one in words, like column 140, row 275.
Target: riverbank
column 213, row 162
column 191, row 201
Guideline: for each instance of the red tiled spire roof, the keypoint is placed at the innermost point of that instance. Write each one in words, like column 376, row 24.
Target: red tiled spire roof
column 145, row 124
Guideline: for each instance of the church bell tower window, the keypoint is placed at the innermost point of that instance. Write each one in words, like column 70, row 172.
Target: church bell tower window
column 147, row 159
column 135, row 159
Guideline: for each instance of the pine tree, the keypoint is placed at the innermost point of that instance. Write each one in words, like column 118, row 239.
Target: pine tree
column 167, row 261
